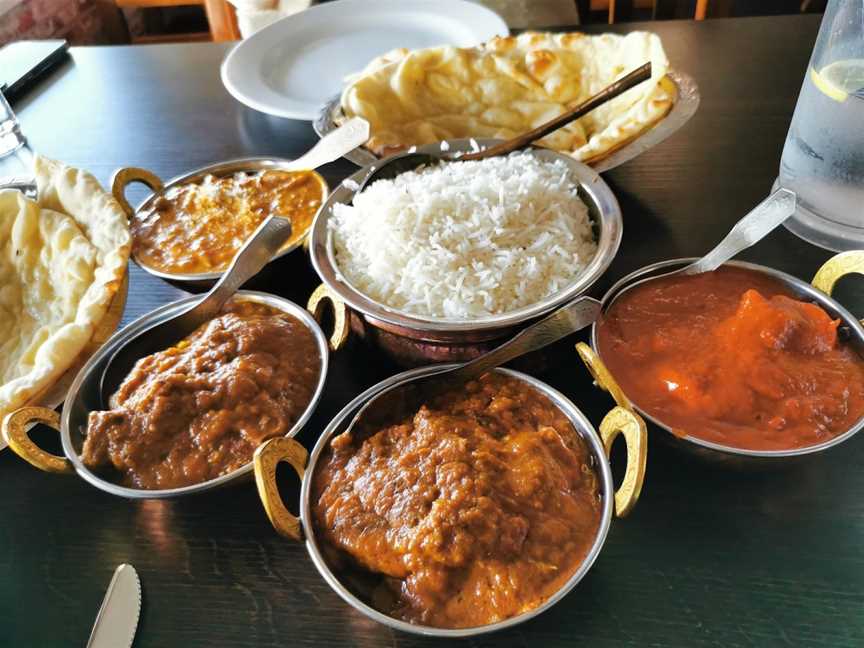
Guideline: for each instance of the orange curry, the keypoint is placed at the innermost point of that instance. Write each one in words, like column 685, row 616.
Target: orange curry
column 475, row 508
column 199, row 409
column 732, row 357
column 194, row 228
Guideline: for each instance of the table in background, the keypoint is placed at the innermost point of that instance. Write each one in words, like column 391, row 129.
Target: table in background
column 708, row 558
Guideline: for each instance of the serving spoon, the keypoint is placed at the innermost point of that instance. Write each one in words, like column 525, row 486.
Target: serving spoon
column 409, row 395
column 756, row 225
column 401, row 163
column 258, row 250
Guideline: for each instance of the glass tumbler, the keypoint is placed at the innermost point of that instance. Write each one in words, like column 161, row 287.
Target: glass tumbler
column 823, row 157
column 16, row 158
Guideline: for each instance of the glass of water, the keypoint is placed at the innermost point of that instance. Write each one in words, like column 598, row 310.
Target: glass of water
column 16, row 158
column 823, row 158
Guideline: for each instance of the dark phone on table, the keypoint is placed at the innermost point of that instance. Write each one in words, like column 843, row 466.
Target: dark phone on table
column 24, row 62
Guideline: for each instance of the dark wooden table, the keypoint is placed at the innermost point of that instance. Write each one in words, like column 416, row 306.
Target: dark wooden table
column 708, row 558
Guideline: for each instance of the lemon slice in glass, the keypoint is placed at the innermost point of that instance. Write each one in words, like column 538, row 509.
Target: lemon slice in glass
column 840, row 79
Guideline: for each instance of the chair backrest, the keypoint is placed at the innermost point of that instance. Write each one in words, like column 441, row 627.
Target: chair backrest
column 623, row 9
column 222, row 20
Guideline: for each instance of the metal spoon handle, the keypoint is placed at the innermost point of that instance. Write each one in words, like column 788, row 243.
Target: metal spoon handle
column 761, row 221
column 637, row 76
column 256, row 252
column 24, row 184
column 566, row 320
column 353, row 133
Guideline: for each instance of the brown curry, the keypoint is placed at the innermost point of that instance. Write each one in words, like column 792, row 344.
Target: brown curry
column 199, row 410
column 477, row 508
column 194, row 228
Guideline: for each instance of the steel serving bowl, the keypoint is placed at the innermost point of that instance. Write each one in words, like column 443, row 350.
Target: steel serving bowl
column 122, row 178
column 819, row 292
column 85, row 396
column 618, row 421
column 414, row 339
column 684, row 107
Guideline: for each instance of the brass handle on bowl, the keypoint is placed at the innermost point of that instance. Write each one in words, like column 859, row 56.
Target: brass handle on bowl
column 601, row 374
column 16, row 434
column 341, row 325
column 837, row 267
column 621, row 420
column 124, row 177
column 266, row 458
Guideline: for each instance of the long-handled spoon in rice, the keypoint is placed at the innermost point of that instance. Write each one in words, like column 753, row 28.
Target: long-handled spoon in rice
column 407, row 396
column 393, row 166
column 258, row 250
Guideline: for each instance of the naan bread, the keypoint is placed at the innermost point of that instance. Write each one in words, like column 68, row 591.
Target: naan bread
column 508, row 86
column 61, row 262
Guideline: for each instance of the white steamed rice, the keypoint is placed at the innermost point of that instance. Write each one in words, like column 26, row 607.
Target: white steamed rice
column 465, row 240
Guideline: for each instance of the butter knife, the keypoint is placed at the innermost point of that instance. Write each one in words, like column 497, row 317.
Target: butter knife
column 117, row 619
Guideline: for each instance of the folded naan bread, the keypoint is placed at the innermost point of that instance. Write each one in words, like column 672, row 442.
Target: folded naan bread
column 62, row 260
column 510, row 85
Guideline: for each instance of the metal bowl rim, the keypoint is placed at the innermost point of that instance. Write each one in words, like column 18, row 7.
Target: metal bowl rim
column 247, row 165
column 576, row 417
column 817, row 295
column 160, row 314
column 610, row 226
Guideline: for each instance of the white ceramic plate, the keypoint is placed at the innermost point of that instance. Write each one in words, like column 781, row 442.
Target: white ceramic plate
column 293, row 66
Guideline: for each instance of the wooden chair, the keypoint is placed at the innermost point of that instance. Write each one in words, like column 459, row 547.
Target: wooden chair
column 623, row 10
column 222, row 20
column 620, row 10
column 220, row 17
